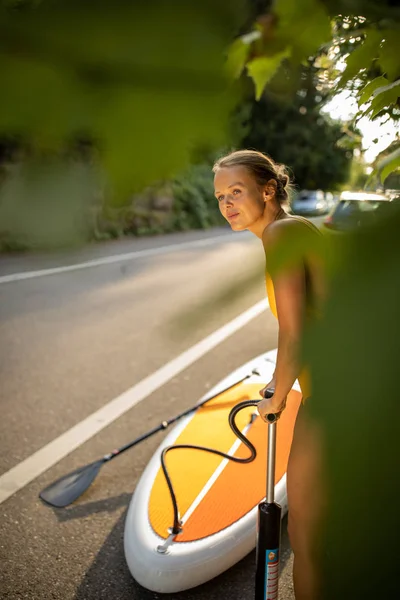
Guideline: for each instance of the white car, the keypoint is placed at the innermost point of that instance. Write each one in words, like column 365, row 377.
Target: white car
column 310, row 203
column 355, row 209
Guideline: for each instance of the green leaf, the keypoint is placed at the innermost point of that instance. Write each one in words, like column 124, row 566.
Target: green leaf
column 362, row 57
column 304, row 25
column 382, row 101
column 395, row 86
column 264, row 68
column 368, row 90
column 41, row 100
column 389, row 164
column 238, row 54
column 389, row 55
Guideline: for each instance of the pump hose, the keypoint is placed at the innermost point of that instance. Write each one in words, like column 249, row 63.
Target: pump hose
column 177, row 525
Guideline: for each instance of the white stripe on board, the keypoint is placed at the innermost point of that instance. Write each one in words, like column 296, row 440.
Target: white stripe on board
column 108, row 260
column 36, row 464
column 213, row 477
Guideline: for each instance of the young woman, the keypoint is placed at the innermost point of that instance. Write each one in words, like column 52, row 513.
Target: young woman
column 250, row 188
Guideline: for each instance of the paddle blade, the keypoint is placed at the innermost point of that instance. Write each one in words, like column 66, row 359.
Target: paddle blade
column 67, row 489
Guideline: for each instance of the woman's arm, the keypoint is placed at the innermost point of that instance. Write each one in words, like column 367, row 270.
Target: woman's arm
column 290, row 304
column 290, row 292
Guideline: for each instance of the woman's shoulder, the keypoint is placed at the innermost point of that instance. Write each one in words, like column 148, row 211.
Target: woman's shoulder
column 283, row 228
column 306, row 223
column 291, row 235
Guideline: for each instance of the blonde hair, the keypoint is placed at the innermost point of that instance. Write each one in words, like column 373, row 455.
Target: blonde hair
column 263, row 169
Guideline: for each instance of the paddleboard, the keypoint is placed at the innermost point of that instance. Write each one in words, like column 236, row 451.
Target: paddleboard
column 217, row 498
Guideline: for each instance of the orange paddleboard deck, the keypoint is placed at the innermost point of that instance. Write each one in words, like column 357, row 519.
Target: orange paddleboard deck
column 218, row 499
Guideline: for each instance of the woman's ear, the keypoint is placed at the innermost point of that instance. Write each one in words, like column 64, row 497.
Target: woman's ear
column 270, row 190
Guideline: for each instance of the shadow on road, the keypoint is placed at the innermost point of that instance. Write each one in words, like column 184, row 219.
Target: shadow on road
column 91, row 508
column 109, row 577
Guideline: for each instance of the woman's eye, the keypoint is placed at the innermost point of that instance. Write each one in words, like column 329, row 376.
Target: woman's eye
column 220, row 198
column 236, row 192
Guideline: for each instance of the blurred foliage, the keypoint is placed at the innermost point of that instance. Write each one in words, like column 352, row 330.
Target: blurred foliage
column 364, row 34
column 57, row 213
column 145, row 85
column 353, row 352
column 389, row 164
column 122, row 89
column 387, row 167
column 392, row 182
column 129, row 91
column 283, row 121
column 81, row 212
column 358, row 177
column 194, row 201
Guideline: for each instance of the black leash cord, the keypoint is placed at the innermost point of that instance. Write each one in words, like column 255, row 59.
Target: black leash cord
column 177, row 526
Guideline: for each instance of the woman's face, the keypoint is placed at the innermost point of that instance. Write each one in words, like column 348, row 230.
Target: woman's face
column 241, row 200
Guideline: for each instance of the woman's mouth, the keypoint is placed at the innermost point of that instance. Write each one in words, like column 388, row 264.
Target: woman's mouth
column 232, row 216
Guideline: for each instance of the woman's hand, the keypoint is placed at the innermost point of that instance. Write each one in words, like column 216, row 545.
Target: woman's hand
column 270, row 386
column 270, row 405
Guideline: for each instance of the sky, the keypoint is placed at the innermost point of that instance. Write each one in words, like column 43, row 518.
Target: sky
column 343, row 106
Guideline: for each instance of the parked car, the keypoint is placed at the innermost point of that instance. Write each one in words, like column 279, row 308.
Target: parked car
column 355, row 209
column 392, row 194
column 309, row 203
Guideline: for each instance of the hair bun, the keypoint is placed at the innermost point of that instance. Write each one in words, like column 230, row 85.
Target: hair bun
column 284, row 179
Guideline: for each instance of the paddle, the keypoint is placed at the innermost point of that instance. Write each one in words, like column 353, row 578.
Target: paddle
column 68, row 488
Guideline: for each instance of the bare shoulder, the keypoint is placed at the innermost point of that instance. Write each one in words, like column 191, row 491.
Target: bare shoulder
column 282, row 230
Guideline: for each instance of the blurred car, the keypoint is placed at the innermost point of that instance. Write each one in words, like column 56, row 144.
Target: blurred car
column 392, row 194
column 355, row 209
column 310, row 203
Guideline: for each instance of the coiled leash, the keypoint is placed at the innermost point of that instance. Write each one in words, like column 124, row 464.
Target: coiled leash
column 177, row 524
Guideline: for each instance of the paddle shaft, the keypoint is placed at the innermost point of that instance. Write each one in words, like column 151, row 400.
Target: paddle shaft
column 169, row 422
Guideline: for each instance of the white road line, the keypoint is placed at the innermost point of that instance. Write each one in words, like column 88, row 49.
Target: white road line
column 36, row 464
column 108, row 260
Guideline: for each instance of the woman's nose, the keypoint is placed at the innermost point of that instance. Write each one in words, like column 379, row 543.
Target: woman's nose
column 228, row 200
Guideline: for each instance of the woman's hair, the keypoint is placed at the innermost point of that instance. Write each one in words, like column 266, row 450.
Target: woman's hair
column 262, row 167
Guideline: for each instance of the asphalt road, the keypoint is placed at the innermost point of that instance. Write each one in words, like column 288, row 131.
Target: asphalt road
column 70, row 343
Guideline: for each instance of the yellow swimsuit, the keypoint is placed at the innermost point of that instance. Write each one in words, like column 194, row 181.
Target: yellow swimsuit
column 304, row 377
